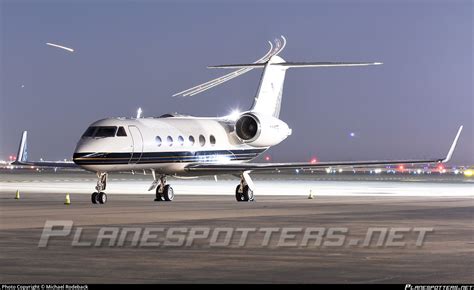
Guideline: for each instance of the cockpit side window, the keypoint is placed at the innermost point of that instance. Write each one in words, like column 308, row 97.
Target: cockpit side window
column 89, row 132
column 121, row 132
column 106, row 131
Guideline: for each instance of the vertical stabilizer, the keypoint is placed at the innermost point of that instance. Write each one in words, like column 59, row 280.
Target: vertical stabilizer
column 269, row 93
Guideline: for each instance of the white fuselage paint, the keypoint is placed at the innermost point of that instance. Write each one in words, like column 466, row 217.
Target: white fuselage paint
column 140, row 149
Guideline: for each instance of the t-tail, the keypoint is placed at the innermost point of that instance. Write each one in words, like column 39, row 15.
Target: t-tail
column 270, row 90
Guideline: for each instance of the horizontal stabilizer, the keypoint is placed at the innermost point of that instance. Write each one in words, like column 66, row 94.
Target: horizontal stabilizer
column 296, row 64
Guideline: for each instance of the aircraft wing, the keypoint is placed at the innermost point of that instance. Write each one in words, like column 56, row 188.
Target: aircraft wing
column 240, row 167
column 22, row 157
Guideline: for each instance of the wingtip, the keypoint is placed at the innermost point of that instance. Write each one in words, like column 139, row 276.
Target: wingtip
column 21, row 155
column 453, row 146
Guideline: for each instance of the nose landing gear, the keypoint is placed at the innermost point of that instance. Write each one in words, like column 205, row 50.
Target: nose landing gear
column 99, row 196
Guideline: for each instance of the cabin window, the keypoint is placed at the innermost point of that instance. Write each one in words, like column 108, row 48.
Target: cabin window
column 202, row 140
column 121, row 132
column 89, row 132
column 170, row 141
column 106, row 131
column 158, row 141
column 181, row 140
column 191, row 140
column 212, row 140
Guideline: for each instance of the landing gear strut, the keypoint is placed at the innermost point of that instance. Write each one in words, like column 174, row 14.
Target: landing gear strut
column 243, row 191
column 164, row 192
column 99, row 196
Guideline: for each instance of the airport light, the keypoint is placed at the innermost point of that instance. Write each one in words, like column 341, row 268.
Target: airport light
column 268, row 158
column 313, row 160
column 468, row 172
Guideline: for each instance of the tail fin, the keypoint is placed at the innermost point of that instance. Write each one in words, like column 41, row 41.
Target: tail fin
column 22, row 155
column 268, row 98
column 269, row 93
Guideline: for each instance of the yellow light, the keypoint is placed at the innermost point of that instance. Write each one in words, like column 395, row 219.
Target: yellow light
column 468, row 173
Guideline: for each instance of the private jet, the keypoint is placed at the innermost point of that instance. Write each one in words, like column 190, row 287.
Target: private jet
column 186, row 146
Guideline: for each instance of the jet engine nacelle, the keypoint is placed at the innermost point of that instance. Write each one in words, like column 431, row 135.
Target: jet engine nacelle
column 261, row 131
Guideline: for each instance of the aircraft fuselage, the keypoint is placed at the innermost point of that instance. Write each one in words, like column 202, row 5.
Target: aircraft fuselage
column 165, row 144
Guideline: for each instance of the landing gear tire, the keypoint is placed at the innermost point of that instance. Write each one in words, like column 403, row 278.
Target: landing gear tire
column 248, row 194
column 102, row 198
column 95, row 197
column 244, row 195
column 159, row 196
column 239, row 195
column 168, row 193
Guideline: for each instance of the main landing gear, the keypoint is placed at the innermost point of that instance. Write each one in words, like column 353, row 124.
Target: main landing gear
column 164, row 192
column 99, row 196
column 243, row 191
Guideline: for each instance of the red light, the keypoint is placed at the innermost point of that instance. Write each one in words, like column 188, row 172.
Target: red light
column 440, row 167
column 313, row 160
column 401, row 167
column 268, row 158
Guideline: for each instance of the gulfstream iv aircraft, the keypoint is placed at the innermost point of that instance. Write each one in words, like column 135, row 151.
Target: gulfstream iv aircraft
column 179, row 145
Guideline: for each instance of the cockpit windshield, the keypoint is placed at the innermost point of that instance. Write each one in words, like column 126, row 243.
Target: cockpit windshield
column 100, row 132
column 108, row 131
column 89, row 132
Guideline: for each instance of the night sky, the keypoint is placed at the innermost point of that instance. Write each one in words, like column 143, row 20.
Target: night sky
column 134, row 54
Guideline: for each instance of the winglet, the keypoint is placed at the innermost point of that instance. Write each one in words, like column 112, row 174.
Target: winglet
column 453, row 146
column 22, row 155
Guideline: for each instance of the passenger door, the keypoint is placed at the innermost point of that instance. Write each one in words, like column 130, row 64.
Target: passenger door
column 137, row 144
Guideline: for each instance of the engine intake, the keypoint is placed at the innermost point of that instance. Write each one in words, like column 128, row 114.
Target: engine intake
column 261, row 131
column 247, row 127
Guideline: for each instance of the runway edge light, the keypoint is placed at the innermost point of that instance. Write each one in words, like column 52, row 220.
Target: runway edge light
column 68, row 199
column 17, row 195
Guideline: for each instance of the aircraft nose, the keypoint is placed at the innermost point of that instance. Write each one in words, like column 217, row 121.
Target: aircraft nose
column 84, row 149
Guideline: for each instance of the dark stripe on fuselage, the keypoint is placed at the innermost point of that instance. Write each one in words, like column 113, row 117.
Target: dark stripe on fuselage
column 213, row 156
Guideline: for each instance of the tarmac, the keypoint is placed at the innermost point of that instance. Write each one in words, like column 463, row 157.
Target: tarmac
column 354, row 205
